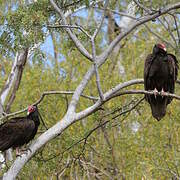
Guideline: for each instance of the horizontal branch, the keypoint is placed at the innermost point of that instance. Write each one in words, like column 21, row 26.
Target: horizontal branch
column 46, row 94
column 166, row 94
column 116, row 91
column 113, row 91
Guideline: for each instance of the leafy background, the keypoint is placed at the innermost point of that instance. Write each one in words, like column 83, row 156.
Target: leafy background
column 131, row 146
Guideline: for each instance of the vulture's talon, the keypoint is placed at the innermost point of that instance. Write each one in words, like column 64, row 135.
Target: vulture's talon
column 155, row 91
column 163, row 92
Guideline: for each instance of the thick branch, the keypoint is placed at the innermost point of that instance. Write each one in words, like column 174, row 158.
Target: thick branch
column 17, row 79
column 20, row 60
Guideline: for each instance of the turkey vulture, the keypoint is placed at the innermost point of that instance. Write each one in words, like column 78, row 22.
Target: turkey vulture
column 160, row 74
column 19, row 130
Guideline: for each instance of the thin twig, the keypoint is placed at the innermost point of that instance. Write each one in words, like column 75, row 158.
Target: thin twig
column 94, row 53
column 71, row 26
column 96, row 70
column 76, row 41
column 130, row 109
column 148, row 11
column 103, row 172
column 170, row 31
column 177, row 28
column 101, row 22
column 146, row 92
column 158, row 36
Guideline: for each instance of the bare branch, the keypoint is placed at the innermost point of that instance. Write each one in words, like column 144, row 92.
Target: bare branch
column 71, row 26
column 170, row 31
column 134, row 25
column 94, row 53
column 114, row 92
column 20, row 67
column 78, row 44
column 146, row 92
column 148, row 11
column 19, row 61
column 69, row 12
column 96, row 69
column 46, row 94
column 101, row 22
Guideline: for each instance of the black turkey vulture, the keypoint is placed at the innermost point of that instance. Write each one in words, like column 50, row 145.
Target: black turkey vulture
column 19, row 130
column 160, row 74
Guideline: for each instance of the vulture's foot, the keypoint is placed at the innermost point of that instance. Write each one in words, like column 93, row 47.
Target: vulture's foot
column 17, row 152
column 20, row 152
column 163, row 93
column 155, row 91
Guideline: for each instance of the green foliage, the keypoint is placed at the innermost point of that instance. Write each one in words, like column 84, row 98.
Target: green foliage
column 114, row 150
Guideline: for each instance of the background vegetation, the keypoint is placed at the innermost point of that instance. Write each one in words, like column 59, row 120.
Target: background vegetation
column 129, row 145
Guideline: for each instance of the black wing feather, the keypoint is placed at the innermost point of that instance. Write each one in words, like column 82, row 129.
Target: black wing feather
column 15, row 132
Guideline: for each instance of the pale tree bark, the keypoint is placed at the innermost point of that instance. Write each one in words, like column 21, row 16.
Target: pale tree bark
column 12, row 85
column 15, row 74
column 71, row 115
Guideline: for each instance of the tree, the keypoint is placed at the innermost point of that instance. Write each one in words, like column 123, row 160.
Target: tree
column 95, row 79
